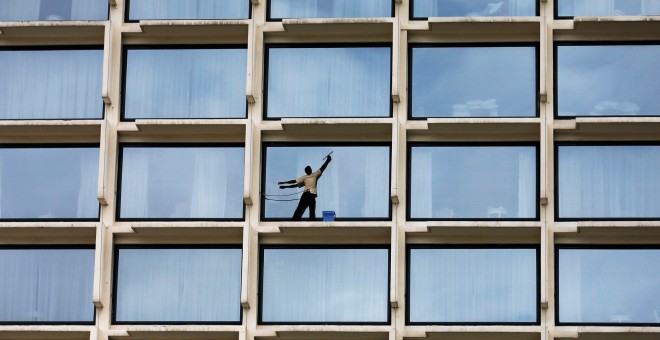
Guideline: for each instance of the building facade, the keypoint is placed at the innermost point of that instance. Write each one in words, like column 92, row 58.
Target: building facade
column 494, row 169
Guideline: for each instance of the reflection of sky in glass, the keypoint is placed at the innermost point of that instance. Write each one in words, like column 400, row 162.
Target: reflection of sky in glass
column 325, row 285
column 569, row 8
column 609, row 286
column 24, row 10
column 329, row 82
column 475, row 8
column 354, row 185
column 182, row 182
column 330, row 8
column 616, row 181
column 608, row 80
column 46, row 285
column 474, row 81
column 496, row 182
column 51, row 84
column 171, row 285
column 185, row 83
column 49, row 183
column 188, row 9
column 473, row 285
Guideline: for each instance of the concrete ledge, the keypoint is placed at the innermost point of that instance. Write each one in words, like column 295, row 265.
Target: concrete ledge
column 40, row 128
column 92, row 30
column 184, row 28
column 45, row 332
column 479, row 128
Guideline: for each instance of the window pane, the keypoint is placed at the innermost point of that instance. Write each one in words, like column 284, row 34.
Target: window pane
column 179, row 285
column 24, row 10
column 188, row 9
column 355, row 184
column 182, row 182
column 569, row 8
column 608, row 80
column 328, row 82
column 51, row 84
column 473, row 285
column 49, row 183
column 185, row 83
column 330, row 8
column 325, row 285
column 46, row 285
column 474, row 81
column 616, row 286
column 620, row 181
column 473, row 8
column 473, row 182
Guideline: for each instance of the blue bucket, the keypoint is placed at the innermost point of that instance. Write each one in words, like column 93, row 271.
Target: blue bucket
column 328, row 216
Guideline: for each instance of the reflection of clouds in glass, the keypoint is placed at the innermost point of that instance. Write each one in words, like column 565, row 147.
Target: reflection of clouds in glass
column 611, row 107
column 329, row 82
column 460, row 8
column 330, row 8
column 590, row 75
column 477, row 107
column 443, row 77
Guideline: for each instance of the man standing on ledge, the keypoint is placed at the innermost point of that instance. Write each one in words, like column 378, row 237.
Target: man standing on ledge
column 308, row 198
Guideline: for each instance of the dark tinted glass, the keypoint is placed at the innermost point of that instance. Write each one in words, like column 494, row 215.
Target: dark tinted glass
column 473, row 286
column 608, row 80
column 182, row 182
column 474, row 81
column 179, row 285
column 51, row 84
column 473, row 182
column 23, row 10
column 49, row 183
column 472, row 8
column 185, row 83
column 355, row 184
column 612, row 286
column 46, row 285
column 328, row 82
column 325, row 286
column 620, row 181
column 188, row 9
column 569, row 8
column 330, row 8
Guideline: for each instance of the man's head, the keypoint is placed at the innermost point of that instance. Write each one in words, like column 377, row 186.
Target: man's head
column 308, row 169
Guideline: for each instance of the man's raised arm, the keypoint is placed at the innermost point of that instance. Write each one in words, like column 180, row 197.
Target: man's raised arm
column 325, row 165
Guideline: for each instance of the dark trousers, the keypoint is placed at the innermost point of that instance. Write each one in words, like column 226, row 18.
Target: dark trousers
column 306, row 200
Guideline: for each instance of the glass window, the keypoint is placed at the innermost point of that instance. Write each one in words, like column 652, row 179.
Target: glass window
column 185, row 83
column 46, row 285
column 355, row 184
column 473, row 285
column 24, row 10
column 609, row 181
column 178, row 285
column 570, row 8
column 607, row 285
column 51, row 84
column 474, row 8
column 189, row 9
column 48, row 183
column 324, row 285
column 472, row 81
column 328, row 82
column 181, row 182
column 279, row 9
column 473, row 182
column 607, row 80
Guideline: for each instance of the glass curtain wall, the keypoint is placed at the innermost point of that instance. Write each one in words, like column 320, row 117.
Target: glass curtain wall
column 48, row 183
column 279, row 9
column 185, row 83
column 51, row 84
column 324, row 285
column 179, row 182
column 472, row 285
column 474, row 8
column 53, row 10
column 41, row 285
column 355, row 185
column 607, row 285
column 178, row 285
column 187, row 9
column 473, row 182
column 570, row 8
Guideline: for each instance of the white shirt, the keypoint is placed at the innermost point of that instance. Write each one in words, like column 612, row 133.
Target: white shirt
column 310, row 181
